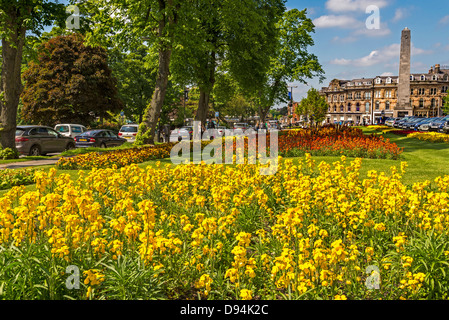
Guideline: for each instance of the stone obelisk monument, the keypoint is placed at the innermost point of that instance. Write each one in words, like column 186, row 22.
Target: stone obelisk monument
column 404, row 107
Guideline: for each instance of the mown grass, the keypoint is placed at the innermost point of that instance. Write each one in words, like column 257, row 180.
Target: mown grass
column 77, row 151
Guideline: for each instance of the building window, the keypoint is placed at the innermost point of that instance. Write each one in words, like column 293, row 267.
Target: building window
column 387, row 105
column 349, row 107
column 444, row 89
column 388, row 94
column 412, row 78
column 432, row 103
column 412, row 92
column 377, row 105
column 421, row 103
column 433, row 91
column 329, row 99
column 349, row 96
column 335, row 108
column 423, row 78
column 367, row 95
column 377, row 94
column 367, row 107
column 342, row 109
column 434, row 77
column 421, row 91
column 342, row 98
column 358, row 96
column 378, row 81
column 388, row 80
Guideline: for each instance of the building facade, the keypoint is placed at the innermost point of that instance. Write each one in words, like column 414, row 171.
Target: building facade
column 368, row 100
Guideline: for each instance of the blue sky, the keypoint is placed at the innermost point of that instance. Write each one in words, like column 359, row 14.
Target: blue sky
column 347, row 49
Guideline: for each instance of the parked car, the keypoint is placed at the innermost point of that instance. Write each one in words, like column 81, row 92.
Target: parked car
column 221, row 131
column 40, row 140
column 398, row 124
column 426, row 126
column 390, row 121
column 129, row 132
column 70, row 130
column 410, row 124
column 100, row 138
column 418, row 124
column 240, row 128
column 184, row 133
column 442, row 123
column 446, row 127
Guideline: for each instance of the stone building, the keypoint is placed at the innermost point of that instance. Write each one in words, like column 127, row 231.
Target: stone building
column 360, row 100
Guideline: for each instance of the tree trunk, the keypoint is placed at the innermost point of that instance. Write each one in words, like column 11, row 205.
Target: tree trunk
column 203, row 106
column 205, row 92
column 153, row 112
column 10, row 83
column 262, row 114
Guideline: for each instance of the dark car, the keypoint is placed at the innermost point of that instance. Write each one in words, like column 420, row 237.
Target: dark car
column 435, row 125
column 40, row 140
column 100, row 138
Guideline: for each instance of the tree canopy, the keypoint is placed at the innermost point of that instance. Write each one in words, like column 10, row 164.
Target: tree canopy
column 70, row 82
column 314, row 107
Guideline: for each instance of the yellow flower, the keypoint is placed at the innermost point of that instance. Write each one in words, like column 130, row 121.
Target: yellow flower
column 246, row 294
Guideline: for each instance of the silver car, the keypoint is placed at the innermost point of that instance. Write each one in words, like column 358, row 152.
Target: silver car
column 40, row 140
column 129, row 132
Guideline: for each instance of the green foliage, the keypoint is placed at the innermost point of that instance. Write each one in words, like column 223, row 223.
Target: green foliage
column 71, row 82
column 314, row 106
column 8, row 153
column 136, row 75
column 291, row 61
column 11, row 178
column 446, row 104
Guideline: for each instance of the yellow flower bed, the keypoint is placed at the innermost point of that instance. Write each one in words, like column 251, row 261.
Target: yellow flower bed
column 430, row 136
column 226, row 232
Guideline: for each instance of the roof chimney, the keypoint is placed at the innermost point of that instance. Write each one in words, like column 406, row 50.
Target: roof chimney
column 437, row 68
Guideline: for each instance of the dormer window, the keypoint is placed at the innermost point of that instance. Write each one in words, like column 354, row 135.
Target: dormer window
column 434, row 77
column 378, row 81
column 388, row 80
column 423, row 78
column 412, row 78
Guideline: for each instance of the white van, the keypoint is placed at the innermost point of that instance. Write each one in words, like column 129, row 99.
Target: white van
column 70, row 130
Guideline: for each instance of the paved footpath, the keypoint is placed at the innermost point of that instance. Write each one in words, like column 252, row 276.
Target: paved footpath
column 24, row 164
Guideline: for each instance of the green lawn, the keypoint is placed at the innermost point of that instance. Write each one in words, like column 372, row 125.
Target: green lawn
column 425, row 160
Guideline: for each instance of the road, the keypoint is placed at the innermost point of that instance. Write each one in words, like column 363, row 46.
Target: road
column 32, row 163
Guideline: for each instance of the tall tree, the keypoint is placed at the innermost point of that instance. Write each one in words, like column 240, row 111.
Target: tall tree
column 292, row 62
column 136, row 74
column 16, row 18
column 314, row 107
column 235, row 36
column 70, row 82
column 129, row 24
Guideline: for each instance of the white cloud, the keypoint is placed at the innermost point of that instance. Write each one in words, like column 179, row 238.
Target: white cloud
column 381, row 32
column 353, row 5
column 387, row 74
column 381, row 56
column 444, row 20
column 400, row 14
column 333, row 21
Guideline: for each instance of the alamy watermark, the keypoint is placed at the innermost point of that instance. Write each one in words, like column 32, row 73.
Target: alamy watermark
column 373, row 21
column 73, row 21
column 218, row 149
